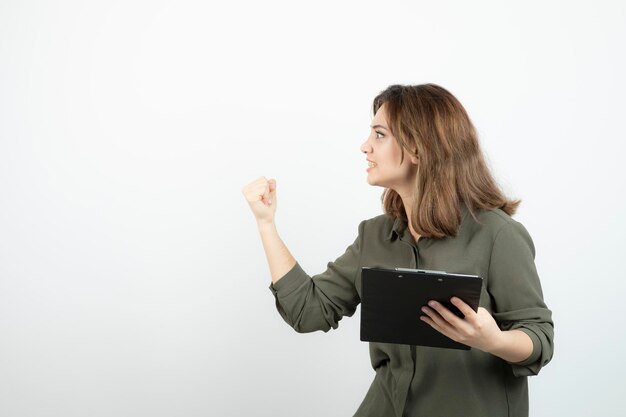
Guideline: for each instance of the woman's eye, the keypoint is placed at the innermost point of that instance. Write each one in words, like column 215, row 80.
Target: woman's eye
column 380, row 133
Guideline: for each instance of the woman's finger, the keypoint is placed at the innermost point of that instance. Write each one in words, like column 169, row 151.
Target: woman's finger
column 463, row 306
column 447, row 315
column 437, row 319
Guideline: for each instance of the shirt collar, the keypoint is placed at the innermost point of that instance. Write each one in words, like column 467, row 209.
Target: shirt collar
column 400, row 225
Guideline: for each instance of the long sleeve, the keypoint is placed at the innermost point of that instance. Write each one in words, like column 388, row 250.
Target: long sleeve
column 518, row 299
column 318, row 302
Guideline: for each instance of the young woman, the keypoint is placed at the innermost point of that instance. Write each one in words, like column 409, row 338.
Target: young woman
column 442, row 211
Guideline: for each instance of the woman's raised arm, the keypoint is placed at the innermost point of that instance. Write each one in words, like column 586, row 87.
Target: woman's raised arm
column 261, row 196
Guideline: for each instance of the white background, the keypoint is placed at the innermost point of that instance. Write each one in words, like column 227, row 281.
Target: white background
column 133, row 281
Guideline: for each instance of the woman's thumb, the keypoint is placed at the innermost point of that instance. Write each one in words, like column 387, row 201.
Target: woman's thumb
column 272, row 187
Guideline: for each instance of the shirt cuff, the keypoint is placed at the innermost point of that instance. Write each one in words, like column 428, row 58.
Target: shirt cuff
column 289, row 282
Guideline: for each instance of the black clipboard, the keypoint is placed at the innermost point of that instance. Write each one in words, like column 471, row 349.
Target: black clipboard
column 392, row 301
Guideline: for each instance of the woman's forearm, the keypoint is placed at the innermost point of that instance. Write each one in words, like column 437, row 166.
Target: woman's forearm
column 514, row 346
column 278, row 256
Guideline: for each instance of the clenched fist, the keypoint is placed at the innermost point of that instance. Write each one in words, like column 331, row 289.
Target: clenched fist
column 261, row 196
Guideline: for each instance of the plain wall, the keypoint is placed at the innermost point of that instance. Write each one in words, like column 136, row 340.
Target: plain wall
column 132, row 276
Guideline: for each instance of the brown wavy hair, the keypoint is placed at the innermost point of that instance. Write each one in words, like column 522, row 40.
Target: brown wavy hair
column 431, row 124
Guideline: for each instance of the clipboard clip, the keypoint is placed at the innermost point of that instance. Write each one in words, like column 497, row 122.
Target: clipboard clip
column 423, row 271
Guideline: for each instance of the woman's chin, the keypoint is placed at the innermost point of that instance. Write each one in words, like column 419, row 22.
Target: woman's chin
column 374, row 183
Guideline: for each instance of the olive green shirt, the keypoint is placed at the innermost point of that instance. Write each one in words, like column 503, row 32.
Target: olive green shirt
column 413, row 381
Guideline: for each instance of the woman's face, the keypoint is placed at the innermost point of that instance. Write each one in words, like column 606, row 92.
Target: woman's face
column 382, row 149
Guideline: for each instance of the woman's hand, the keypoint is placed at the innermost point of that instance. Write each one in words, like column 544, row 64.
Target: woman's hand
column 261, row 196
column 477, row 329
